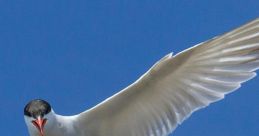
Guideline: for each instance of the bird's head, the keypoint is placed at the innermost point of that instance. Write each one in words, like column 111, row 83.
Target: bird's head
column 37, row 114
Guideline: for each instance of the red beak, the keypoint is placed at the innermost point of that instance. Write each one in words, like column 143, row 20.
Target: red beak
column 39, row 124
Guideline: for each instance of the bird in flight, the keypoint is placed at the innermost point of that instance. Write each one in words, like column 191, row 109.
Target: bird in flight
column 167, row 94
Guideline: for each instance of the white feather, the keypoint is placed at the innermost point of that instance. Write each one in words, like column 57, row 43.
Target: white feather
column 176, row 86
column 170, row 91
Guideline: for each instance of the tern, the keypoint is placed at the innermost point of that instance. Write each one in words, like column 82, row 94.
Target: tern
column 167, row 94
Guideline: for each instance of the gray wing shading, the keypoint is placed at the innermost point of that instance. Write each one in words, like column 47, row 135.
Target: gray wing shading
column 176, row 86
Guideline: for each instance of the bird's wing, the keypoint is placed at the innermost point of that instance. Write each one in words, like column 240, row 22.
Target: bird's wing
column 176, row 86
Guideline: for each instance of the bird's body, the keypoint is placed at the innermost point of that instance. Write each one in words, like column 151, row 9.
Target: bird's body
column 62, row 126
column 165, row 95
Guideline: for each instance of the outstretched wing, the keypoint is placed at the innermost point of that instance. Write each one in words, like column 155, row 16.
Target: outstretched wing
column 176, row 86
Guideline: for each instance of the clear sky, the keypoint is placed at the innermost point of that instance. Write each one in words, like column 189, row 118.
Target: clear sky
column 75, row 54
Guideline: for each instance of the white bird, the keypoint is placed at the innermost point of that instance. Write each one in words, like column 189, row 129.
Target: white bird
column 167, row 94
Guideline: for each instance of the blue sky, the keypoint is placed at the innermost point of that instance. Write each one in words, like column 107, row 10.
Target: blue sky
column 75, row 54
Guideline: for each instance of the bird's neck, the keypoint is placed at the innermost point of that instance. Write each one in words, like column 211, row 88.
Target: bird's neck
column 61, row 126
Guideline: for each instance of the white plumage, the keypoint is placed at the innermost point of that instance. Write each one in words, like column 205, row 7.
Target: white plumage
column 174, row 88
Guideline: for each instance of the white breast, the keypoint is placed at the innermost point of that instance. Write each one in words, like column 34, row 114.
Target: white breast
column 62, row 126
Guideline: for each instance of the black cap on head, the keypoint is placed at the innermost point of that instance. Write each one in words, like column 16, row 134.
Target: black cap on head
column 37, row 108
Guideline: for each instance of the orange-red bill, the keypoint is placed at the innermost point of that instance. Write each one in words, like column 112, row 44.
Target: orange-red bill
column 39, row 124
